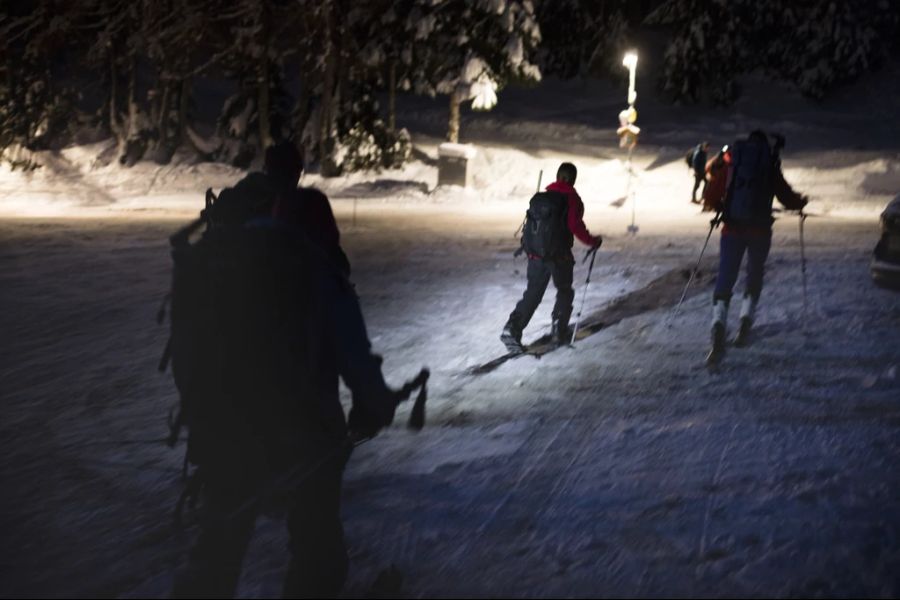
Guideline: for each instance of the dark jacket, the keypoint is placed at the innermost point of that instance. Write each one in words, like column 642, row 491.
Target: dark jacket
column 698, row 161
column 310, row 208
column 342, row 342
column 717, row 192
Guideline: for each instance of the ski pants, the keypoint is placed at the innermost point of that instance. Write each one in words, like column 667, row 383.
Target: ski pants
column 319, row 562
column 732, row 247
column 698, row 179
column 540, row 272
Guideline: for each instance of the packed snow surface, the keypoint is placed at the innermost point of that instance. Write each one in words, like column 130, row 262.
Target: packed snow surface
column 617, row 467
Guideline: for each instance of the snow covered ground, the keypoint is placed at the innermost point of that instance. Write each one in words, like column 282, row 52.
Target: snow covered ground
column 619, row 467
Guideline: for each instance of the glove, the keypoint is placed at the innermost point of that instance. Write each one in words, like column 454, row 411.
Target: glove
column 598, row 241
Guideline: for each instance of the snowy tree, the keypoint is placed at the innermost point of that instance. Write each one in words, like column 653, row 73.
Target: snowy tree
column 582, row 38
column 34, row 105
column 460, row 47
column 345, row 51
column 116, row 42
column 710, row 42
column 251, row 40
column 825, row 42
column 177, row 32
column 815, row 44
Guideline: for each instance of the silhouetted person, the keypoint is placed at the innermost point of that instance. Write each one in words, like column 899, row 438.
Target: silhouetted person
column 263, row 326
column 698, row 164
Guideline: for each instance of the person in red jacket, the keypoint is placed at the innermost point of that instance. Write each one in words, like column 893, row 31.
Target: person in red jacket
column 752, row 180
column 559, row 266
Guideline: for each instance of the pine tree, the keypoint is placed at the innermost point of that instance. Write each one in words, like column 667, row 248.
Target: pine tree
column 252, row 37
column 816, row 44
column 33, row 103
column 176, row 33
column 710, row 46
column 459, row 46
column 582, row 38
column 824, row 43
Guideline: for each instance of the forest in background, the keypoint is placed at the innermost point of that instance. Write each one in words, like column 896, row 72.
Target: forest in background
column 325, row 74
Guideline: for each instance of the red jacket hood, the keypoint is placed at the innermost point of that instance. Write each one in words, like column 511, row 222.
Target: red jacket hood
column 562, row 187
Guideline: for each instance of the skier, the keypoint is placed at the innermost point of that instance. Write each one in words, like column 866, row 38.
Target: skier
column 553, row 220
column 754, row 178
column 262, row 328
column 698, row 164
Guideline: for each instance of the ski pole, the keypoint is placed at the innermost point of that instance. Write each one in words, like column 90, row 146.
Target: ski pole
column 593, row 254
column 629, row 193
column 714, row 222
column 803, row 267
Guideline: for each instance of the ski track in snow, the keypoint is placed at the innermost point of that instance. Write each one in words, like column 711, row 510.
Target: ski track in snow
column 617, row 467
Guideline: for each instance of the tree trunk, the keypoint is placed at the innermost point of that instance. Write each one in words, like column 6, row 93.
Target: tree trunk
column 113, row 91
column 184, row 95
column 302, row 113
column 327, row 112
column 453, row 129
column 392, row 96
column 327, row 99
column 162, row 118
column 131, row 130
column 262, row 80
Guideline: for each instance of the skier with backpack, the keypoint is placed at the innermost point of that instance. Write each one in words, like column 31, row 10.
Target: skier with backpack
column 263, row 325
column 696, row 160
column 554, row 219
column 753, row 180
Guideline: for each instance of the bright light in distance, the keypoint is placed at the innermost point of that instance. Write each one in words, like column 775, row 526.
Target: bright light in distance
column 630, row 60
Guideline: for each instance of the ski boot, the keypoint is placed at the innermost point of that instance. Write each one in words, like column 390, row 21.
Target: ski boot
column 560, row 333
column 512, row 337
column 720, row 314
column 748, row 310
